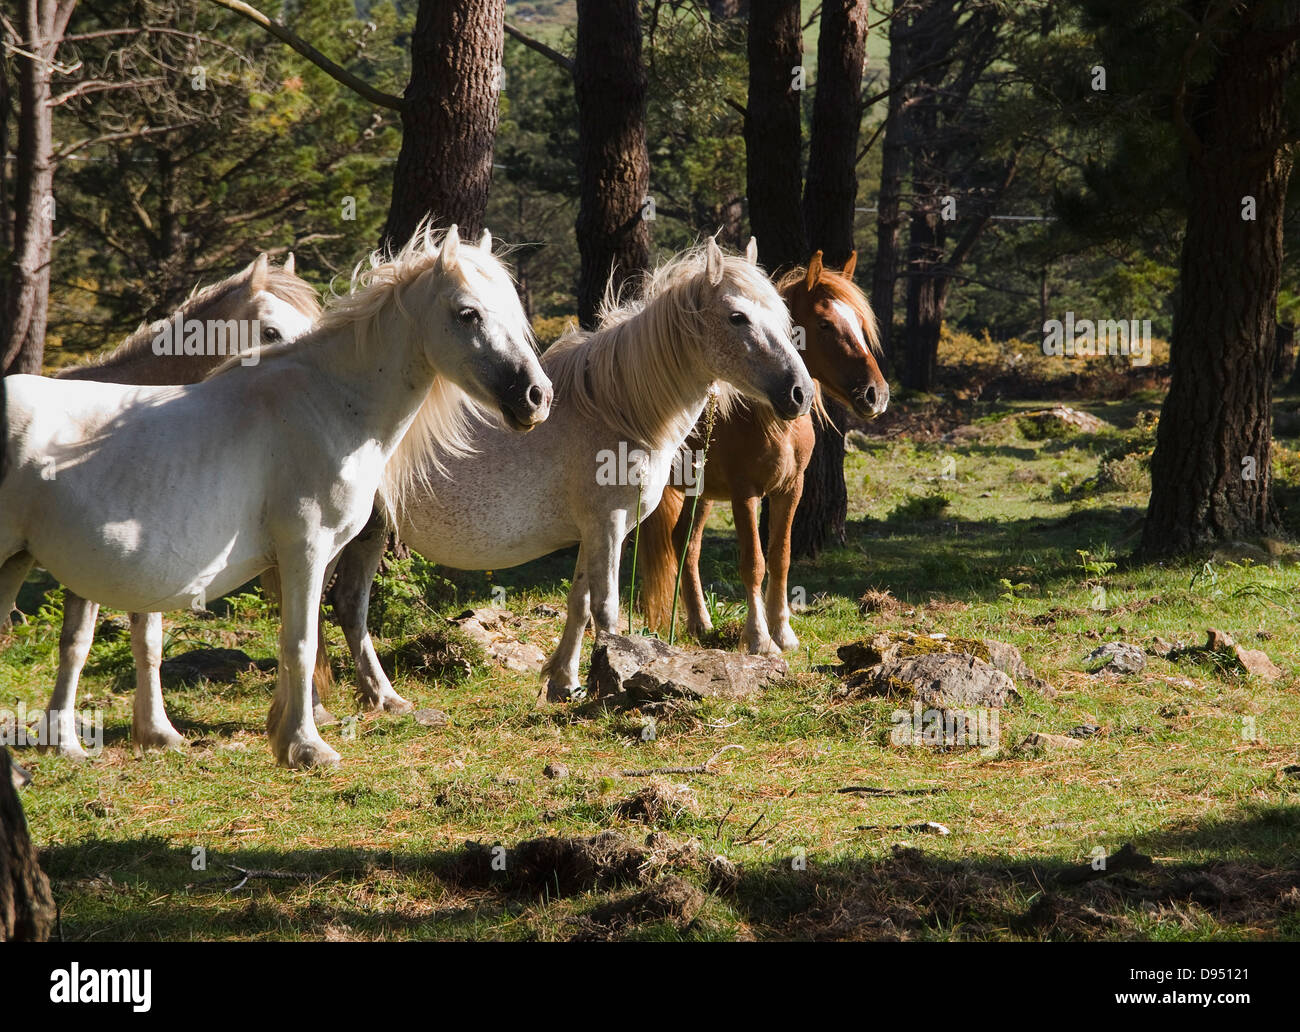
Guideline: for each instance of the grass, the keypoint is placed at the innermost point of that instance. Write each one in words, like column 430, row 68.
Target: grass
column 1189, row 765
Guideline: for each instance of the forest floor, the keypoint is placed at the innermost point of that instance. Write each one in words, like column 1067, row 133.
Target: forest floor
column 1004, row 531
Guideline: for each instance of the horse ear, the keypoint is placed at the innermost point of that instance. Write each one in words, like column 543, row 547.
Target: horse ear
column 447, row 259
column 751, row 251
column 713, row 261
column 485, row 241
column 850, row 265
column 814, row 271
column 288, row 263
column 257, row 274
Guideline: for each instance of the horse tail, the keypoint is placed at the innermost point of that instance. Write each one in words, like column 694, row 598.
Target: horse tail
column 659, row 558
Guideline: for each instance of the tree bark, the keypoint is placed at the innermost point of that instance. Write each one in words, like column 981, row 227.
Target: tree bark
column 830, row 195
column 25, row 281
column 449, row 118
column 773, row 132
column 610, row 84
column 893, row 166
column 27, row 912
column 1210, row 478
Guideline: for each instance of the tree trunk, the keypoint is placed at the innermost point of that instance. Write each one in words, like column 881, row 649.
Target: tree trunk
column 831, row 190
column 926, row 287
column 610, row 84
column 830, row 194
column 773, row 132
column 721, row 10
column 893, row 165
column 449, row 121
column 25, row 281
column 1210, row 478
column 27, row 912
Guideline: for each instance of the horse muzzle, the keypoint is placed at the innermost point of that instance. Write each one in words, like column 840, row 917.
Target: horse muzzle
column 872, row 401
column 528, row 408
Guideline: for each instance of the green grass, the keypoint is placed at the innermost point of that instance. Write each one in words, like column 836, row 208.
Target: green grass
column 1172, row 770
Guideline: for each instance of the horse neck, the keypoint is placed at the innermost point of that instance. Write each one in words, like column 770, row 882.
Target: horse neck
column 380, row 384
column 657, row 388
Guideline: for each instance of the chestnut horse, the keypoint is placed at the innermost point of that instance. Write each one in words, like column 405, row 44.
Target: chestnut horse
column 754, row 454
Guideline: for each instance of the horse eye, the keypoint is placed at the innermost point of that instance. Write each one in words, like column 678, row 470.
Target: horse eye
column 825, row 324
column 271, row 334
column 469, row 316
column 739, row 319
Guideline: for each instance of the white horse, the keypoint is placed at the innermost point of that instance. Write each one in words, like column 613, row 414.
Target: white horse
column 146, row 499
column 627, row 396
column 258, row 304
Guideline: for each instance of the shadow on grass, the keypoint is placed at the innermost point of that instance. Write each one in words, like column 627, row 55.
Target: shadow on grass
column 145, row 888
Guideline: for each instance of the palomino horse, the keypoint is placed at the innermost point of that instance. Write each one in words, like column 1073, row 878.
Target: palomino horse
column 626, row 397
column 755, row 454
column 258, row 304
column 142, row 498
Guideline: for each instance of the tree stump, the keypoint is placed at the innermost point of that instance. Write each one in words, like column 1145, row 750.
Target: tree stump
column 26, row 906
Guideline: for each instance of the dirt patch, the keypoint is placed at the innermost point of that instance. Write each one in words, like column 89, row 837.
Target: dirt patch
column 553, row 866
column 657, row 801
column 670, row 899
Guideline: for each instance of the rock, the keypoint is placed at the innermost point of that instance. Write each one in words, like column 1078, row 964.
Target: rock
column 491, row 627
column 649, row 670
column 944, row 673
column 1216, row 640
column 113, row 628
column 219, row 666
column 555, row 771
column 1037, row 740
column 27, row 911
column 1160, row 647
column 1061, row 417
column 1118, row 657
column 430, row 717
column 724, row 874
column 1257, row 663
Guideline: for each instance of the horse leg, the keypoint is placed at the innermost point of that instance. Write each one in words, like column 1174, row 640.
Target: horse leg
column 74, row 646
column 780, row 520
column 696, row 606
column 358, row 564
column 755, row 638
column 150, row 728
column 271, row 588
column 560, row 672
column 295, row 742
column 13, row 571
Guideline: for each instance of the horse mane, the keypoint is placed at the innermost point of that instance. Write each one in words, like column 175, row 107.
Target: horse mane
column 631, row 372
column 284, row 285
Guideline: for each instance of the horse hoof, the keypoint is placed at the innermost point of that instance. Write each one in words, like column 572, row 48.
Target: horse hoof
column 158, row 740
column 556, row 691
column 762, row 647
column 69, row 751
column 786, row 640
column 305, row 755
column 396, row 705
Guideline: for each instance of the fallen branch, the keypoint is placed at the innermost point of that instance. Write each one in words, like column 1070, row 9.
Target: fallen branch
column 703, row 768
column 874, row 791
column 253, row 873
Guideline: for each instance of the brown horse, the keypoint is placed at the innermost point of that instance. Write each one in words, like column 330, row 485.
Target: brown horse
column 754, row 455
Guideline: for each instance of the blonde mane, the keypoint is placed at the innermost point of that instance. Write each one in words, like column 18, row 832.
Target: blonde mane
column 443, row 425
column 633, row 372
column 284, row 285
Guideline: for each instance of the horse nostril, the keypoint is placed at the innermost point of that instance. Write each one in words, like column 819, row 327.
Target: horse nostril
column 796, row 395
column 871, row 394
column 536, row 396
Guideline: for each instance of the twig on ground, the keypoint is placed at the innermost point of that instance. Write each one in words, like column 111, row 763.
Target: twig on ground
column 874, row 791
column 703, row 768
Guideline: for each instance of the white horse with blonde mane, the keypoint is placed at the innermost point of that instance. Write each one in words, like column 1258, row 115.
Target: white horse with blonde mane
column 145, row 499
column 259, row 305
column 633, row 390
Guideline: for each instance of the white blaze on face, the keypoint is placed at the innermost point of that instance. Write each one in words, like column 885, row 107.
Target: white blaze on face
column 275, row 311
column 846, row 313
